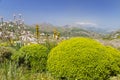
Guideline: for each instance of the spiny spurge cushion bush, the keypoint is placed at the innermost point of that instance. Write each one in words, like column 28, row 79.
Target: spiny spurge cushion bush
column 33, row 56
column 6, row 53
column 83, row 59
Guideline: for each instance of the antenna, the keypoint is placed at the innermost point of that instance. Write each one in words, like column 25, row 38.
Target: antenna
column 14, row 16
column 20, row 19
column 20, row 16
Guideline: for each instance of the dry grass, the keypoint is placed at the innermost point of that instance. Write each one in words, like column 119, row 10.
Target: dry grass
column 9, row 71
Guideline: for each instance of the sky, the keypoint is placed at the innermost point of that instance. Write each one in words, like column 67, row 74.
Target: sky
column 62, row 12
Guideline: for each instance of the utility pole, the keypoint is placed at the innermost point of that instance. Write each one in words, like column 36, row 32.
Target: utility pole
column 14, row 16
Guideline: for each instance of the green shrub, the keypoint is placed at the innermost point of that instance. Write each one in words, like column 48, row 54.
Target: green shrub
column 6, row 53
column 33, row 56
column 50, row 44
column 83, row 59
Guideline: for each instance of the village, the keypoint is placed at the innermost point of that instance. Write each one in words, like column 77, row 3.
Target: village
column 15, row 32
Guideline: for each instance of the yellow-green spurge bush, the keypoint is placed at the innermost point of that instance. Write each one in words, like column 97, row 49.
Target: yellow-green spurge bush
column 83, row 59
column 33, row 56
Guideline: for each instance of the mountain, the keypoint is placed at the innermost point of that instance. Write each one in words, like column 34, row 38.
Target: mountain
column 102, row 29
column 65, row 31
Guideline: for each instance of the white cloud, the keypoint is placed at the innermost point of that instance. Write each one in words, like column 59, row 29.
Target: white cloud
column 86, row 23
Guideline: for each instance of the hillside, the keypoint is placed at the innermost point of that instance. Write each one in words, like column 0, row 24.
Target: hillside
column 65, row 31
column 113, row 35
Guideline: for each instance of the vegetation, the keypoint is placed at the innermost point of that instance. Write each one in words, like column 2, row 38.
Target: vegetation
column 83, row 59
column 50, row 45
column 5, row 44
column 74, row 59
column 10, row 71
column 32, row 56
column 21, row 58
column 6, row 53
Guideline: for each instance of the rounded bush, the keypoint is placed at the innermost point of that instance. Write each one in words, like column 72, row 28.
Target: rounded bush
column 83, row 59
column 6, row 53
column 33, row 56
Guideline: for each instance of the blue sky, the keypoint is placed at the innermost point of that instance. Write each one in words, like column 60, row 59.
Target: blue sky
column 62, row 12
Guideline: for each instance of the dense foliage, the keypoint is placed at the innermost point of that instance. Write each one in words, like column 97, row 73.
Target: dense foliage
column 33, row 56
column 5, row 53
column 50, row 44
column 5, row 44
column 83, row 59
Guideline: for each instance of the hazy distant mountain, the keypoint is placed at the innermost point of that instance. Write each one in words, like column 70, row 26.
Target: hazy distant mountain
column 103, row 29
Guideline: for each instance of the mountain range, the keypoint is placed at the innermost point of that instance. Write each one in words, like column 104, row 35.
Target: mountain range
column 101, row 29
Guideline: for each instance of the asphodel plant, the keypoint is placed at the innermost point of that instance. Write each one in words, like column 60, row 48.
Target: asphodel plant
column 37, row 32
column 55, row 33
column 58, row 35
